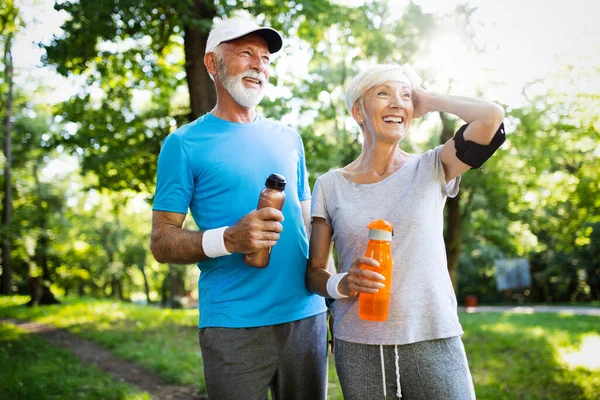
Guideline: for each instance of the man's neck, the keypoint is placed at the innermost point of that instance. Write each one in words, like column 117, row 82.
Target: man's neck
column 230, row 110
column 242, row 115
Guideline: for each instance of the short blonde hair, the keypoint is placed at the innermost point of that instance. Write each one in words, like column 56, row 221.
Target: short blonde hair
column 376, row 76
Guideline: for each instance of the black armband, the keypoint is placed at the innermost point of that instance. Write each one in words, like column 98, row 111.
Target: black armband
column 475, row 154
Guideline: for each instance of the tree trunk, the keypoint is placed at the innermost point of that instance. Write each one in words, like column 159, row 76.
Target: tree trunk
column 116, row 288
column 173, row 286
column 41, row 250
column 453, row 237
column 177, row 285
column 107, row 238
column 453, row 223
column 146, row 285
column 177, row 280
column 40, row 292
column 201, row 88
column 593, row 281
column 7, row 268
column 164, row 290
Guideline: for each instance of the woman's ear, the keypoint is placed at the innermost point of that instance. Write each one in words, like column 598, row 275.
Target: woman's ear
column 357, row 113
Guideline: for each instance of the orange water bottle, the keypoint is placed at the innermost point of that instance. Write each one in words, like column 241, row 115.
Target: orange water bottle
column 374, row 307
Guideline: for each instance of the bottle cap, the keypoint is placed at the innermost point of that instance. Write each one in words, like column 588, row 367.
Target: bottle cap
column 275, row 181
column 380, row 229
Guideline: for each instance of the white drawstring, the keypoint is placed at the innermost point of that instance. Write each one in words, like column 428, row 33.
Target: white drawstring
column 397, row 362
column 382, row 370
column 398, row 390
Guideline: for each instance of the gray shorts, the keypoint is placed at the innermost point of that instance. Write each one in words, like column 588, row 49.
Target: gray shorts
column 290, row 359
column 429, row 370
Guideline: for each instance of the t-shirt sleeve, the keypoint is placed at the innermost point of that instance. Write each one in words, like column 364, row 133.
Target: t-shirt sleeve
column 303, row 186
column 319, row 205
column 174, row 178
column 451, row 188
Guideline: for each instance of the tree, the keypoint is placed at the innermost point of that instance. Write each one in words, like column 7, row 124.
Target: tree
column 9, row 24
column 128, row 49
column 138, row 47
column 38, row 204
column 538, row 197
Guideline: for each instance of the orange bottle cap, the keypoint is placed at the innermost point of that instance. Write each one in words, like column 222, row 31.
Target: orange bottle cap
column 380, row 230
column 381, row 224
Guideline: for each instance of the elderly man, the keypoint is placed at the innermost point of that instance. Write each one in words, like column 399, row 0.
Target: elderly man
column 260, row 328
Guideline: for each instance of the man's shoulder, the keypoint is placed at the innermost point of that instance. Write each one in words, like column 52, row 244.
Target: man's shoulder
column 193, row 128
column 276, row 125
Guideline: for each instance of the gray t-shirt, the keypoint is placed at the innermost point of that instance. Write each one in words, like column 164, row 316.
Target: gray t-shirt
column 423, row 303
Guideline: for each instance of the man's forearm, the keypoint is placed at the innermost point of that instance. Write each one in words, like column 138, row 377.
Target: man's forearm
column 177, row 246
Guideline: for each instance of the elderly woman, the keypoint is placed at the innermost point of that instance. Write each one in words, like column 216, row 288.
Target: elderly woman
column 417, row 353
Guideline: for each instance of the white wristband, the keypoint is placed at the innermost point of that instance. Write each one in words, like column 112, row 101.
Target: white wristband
column 213, row 243
column 332, row 286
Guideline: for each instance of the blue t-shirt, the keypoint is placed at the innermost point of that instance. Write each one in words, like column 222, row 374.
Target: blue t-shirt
column 217, row 169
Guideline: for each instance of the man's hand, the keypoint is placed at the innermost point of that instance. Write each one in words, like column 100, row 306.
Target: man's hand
column 256, row 230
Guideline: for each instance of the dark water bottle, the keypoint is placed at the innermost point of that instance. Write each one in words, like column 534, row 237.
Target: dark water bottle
column 271, row 196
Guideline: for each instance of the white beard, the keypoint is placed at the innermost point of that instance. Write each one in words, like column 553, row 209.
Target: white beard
column 234, row 85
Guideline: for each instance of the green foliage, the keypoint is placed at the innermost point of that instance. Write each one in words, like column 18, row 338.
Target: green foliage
column 358, row 36
column 127, row 49
column 37, row 206
column 10, row 21
column 537, row 197
column 590, row 260
column 83, row 241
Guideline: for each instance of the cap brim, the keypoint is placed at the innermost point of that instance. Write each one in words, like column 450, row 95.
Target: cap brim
column 273, row 38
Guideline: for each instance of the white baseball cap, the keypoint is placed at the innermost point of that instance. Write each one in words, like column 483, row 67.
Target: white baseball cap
column 234, row 28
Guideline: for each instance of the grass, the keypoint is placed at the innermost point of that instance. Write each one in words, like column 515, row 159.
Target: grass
column 163, row 340
column 511, row 355
column 39, row 371
column 522, row 356
column 595, row 304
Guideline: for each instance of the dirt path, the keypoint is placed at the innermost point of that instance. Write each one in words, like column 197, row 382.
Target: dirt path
column 123, row 370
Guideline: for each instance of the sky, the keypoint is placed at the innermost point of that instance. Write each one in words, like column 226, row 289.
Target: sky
column 526, row 40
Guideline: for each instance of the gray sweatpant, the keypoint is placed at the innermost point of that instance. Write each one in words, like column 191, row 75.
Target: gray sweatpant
column 429, row 370
column 290, row 359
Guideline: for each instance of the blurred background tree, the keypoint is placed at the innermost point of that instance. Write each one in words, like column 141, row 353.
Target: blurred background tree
column 82, row 170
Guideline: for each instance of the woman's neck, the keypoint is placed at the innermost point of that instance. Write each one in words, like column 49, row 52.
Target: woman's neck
column 379, row 159
column 375, row 163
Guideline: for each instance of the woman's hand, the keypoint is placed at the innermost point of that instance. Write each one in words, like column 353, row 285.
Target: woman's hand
column 421, row 102
column 361, row 279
